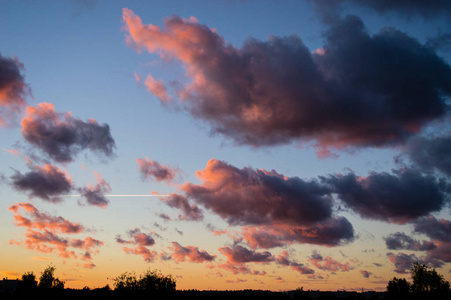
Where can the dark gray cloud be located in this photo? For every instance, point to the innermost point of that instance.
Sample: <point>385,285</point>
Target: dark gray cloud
<point>398,197</point>
<point>332,232</point>
<point>285,260</point>
<point>94,194</point>
<point>250,196</point>
<point>240,254</point>
<point>411,8</point>
<point>403,262</point>
<point>48,182</point>
<point>62,137</point>
<point>358,90</point>
<point>190,212</point>
<point>401,241</point>
<point>431,153</point>
<point>13,90</point>
<point>436,229</point>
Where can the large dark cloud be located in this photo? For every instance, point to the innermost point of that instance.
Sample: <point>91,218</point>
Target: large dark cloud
<point>359,89</point>
<point>254,196</point>
<point>47,182</point>
<point>431,153</point>
<point>399,197</point>
<point>13,90</point>
<point>411,8</point>
<point>61,136</point>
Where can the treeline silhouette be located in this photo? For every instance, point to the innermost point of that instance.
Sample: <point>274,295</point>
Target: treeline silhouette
<point>426,284</point>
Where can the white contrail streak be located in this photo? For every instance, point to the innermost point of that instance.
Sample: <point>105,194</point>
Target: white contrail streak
<point>148,195</point>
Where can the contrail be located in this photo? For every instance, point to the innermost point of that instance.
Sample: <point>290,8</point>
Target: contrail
<point>148,195</point>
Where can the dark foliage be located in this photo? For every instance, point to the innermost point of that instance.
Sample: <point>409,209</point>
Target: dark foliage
<point>426,283</point>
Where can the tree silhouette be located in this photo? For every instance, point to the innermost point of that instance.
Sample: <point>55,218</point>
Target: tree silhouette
<point>149,281</point>
<point>48,279</point>
<point>397,288</point>
<point>426,282</point>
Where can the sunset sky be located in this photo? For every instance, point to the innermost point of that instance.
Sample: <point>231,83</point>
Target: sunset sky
<point>232,144</point>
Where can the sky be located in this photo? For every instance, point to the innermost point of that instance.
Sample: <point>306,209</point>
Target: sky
<point>231,144</point>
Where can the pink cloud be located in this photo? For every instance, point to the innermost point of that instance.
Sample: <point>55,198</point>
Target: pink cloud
<point>41,234</point>
<point>41,220</point>
<point>147,255</point>
<point>190,253</point>
<point>154,171</point>
<point>140,241</point>
<point>328,263</point>
<point>158,88</point>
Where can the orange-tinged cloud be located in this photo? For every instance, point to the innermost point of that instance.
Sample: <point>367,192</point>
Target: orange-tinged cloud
<point>158,88</point>
<point>42,233</point>
<point>190,253</point>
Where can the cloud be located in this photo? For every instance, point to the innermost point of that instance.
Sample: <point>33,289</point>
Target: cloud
<point>158,88</point>
<point>95,194</point>
<point>332,232</point>
<point>154,171</point>
<point>47,182</point>
<point>424,9</point>
<point>328,263</point>
<point>401,241</point>
<point>61,136</point>
<point>190,212</point>
<point>273,209</point>
<point>365,273</point>
<point>397,197</point>
<point>284,259</point>
<point>41,220</point>
<point>403,262</point>
<point>439,231</point>
<point>190,253</point>
<point>240,255</point>
<point>430,153</point>
<point>436,229</point>
<point>13,90</point>
<point>361,90</point>
<point>259,196</point>
<point>140,242</point>
<point>43,233</point>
